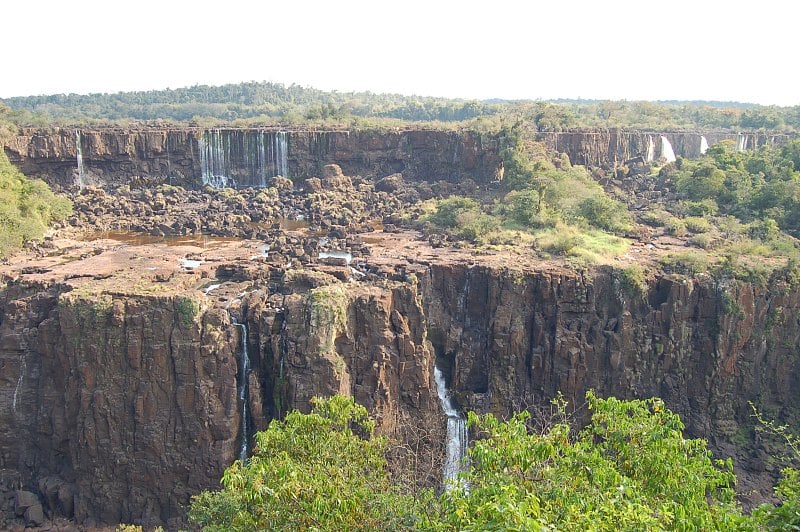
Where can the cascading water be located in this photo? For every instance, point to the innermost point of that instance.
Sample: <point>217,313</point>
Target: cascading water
<point>651,149</point>
<point>666,150</point>
<point>79,157</point>
<point>456,448</point>
<point>741,142</point>
<point>703,145</point>
<point>242,158</point>
<point>281,154</point>
<point>243,389</point>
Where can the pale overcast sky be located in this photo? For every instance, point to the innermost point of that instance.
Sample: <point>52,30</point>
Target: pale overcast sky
<point>654,50</point>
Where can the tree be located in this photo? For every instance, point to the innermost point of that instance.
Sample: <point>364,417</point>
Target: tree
<point>629,469</point>
<point>324,470</point>
<point>784,516</point>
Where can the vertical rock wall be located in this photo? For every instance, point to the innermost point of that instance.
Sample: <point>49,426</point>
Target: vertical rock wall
<point>126,401</point>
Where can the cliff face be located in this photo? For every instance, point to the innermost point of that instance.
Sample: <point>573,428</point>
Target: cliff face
<point>116,408</point>
<point>249,157</point>
<point>124,405</point>
<point>706,348</point>
<point>608,147</point>
<point>191,156</point>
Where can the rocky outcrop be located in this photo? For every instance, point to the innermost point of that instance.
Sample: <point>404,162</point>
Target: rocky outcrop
<point>607,148</point>
<point>118,405</point>
<point>249,157</point>
<point>707,347</point>
<point>116,408</point>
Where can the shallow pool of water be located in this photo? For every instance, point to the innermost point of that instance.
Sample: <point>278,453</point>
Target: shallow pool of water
<point>140,239</point>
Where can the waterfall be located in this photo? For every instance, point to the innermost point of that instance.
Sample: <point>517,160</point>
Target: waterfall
<point>243,389</point>
<point>23,367</point>
<point>281,154</point>
<point>651,149</point>
<point>703,145</point>
<point>741,142</point>
<point>666,150</point>
<point>242,158</point>
<point>456,448</point>
<point>79,157</point>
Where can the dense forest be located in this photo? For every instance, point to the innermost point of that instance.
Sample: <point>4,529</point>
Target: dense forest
<point>256,103</point>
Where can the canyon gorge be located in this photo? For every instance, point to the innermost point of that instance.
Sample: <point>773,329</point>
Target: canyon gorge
<point>134,369</point>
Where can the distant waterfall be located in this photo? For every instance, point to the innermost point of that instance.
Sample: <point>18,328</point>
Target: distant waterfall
<point>456,432</point>
<point>79,157</point>
<point>242,158</point>
<point>243,388</point>
<point>281,154</point>
<point>741,142</point>
<point>651,149</point>
<point>703,145</point>
<point>666,150</point>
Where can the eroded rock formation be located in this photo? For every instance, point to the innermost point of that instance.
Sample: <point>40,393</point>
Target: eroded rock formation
<point>118,406</point>
<point>187,157</point>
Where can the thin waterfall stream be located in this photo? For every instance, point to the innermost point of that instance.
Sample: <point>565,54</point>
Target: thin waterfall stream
<point>456,448</point>
<point>79,158</point>
<point>243,389</point>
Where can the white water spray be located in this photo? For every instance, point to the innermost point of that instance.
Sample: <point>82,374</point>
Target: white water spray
<point>456,448</point>
<point>666,150</point>
<point>741,142</point>
<point>703,145</point>
<point>242,158</point>
<point>79,157</point>
<point>651,149</point>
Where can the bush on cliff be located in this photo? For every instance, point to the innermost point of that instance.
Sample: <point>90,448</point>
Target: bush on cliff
<point>27,208</point>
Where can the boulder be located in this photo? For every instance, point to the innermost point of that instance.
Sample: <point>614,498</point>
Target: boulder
<point>390,183</point>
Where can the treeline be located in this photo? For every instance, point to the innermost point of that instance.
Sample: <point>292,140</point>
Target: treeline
<point>267,102</point>
<point>264,102</point>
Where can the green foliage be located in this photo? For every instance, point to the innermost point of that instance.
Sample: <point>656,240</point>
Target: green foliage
<point>27,208</point>
<point>688,262</point>
<point>630,469</point>
<point>761,186</point>
<point>463,218</point>
<point>322,471</point>
<point>606,213</point>
<point>784,516</point>
<point>187,308</point>
<point>259,102</point>
<point>696,224</point>
<point>632,280</point>
<point>448,211</point>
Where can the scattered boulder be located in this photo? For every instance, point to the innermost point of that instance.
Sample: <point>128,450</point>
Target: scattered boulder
<point>390,183</point>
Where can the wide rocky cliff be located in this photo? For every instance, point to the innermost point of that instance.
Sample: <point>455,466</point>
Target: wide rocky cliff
<point>67,158</point>
<point>191,157</point>
<point>119,405</point>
